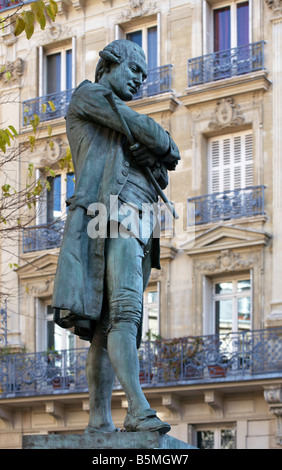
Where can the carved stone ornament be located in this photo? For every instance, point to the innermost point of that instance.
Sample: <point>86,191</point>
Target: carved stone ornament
<point>12,71</point>
<point>138,8</point>
<point>227,113</point>
<point>275,5</point>
<point>226,261</point>
<point>273,396</point>
<point>52,154</point>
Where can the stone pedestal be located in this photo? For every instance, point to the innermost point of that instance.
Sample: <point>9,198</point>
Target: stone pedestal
<point>113,440</point>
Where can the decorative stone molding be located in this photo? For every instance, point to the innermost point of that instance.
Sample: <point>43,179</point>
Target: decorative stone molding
<point>12,71</point>
<point>275,5</point>
<point>227,261</point>
<point>227,113</point>
<point>138,8</point>
<point>215,401</point>
<point>273,396</point>
<point>52,155</point>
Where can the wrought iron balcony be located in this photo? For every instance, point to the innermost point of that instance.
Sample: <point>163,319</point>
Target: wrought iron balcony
<point>5,4</point>
<point>42,106</point>
<point>43,237</point>
<point>226,64</point>
<point>246,202</point>
<point>246,355</point>
<point>158,81</point>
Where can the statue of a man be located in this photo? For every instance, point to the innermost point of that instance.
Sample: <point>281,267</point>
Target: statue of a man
<point>100,280</point>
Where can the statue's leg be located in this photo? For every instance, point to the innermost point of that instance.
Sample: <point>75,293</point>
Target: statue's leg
<point>100,378</point>
<point>125,298</point>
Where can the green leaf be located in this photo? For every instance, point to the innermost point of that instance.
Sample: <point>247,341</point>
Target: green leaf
<point>30,170</point>
<point>8,76</point>
<point>34,122</point>
<point>50,12</point>
<point>38,8</point>
<point>32,142</point>
<point>52,106</point>
<point>49,130</point>
<point>20,26</point>
<point>43,107</point>
<point>28,18</point>
<point>13,130</point>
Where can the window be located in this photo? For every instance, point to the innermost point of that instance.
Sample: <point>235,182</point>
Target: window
<point>58,71</point>
<point>226,26</point>
<point>50,336</point>
<point>151,314</point>
<point>57,338</point>
<point>216,438</point>
<point>147,38</point>
<point>61,188</point>
<point>232,304</point>
<point>230,162</point>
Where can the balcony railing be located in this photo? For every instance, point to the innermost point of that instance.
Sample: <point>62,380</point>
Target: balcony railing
<point>158,81</point>
<point>239,203</point>
<point>42,106</point>
<point>226,64</point>
<point>246,355</point>
<point>5,4</point>
<point>43,237</point>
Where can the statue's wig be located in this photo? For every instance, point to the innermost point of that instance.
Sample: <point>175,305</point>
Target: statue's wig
<point>116,52</point>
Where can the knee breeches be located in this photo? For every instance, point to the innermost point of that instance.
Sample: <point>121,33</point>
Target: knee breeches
<point>128,266</point>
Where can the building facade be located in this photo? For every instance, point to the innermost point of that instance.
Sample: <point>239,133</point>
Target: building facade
<point>211,359</point>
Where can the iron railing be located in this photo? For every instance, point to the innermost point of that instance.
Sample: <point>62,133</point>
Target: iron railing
<point>47,107</point>
<point>42,237</point>
<point>226,64</point>
<point>244,355</point>
<point>158,81</point>
<point>238,203</point>
<point>5,4</point>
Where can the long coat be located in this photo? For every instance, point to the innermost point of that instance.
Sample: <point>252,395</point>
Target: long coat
<point>101,163</point>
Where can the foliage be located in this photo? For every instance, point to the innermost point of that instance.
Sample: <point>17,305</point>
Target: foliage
<point>18,199</point>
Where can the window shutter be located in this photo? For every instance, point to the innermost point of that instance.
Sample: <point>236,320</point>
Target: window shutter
<point>231,162</point>
<point>227,174</point>
<point>249,179</point>
<point>215,167</point>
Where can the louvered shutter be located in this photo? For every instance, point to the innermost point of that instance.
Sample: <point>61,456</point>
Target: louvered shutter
<point>230,162</point>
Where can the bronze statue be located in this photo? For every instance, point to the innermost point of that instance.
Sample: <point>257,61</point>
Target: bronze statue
<point>100,280</point>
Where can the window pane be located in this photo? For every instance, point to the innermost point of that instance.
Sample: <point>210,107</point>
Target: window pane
<point>54,199</point>
<point>205,439</point>
<point>227,439</point>
<point>224,287</point>
<point>70,184</point>
<point>136,37</point>
<point>53,73</point>
<point>152,297</point>
<point>223,315</point>
<point>50,334</point>
<point>242,24</point>
<point>69,69</point>
<point>152,48</point>
<point>244,285</point>
<point>222,29</point>
<point>244,313</point>
<point>153,326</point>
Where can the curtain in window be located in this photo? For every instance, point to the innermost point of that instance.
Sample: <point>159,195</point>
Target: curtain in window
<point>221,29</point>
<point>242,24</point>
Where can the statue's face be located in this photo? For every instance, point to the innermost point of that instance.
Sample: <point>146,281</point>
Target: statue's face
<point>126,78</point>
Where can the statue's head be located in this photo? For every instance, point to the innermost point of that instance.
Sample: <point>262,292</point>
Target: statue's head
<point>122,67</point>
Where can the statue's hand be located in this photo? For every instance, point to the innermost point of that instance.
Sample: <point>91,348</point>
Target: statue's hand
<point>142,155</point>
